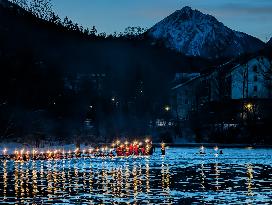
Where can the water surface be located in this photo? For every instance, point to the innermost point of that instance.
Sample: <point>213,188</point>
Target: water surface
<point>239,176</point>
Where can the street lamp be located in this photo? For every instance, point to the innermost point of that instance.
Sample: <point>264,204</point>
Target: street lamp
<point>249,106</point>
<point>167,108</point>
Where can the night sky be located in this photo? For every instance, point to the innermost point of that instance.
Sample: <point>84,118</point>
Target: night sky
<point>249,16</point>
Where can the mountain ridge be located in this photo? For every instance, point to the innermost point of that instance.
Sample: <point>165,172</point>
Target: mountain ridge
<point>196,34</point>
<point>269,42</point>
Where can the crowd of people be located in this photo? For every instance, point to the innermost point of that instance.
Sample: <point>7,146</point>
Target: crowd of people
<point>135,148</point>
<point>117,149</point>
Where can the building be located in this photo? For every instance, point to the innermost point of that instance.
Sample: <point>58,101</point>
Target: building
<point>189,96</point>
<point>251,79</point>
<point>224,96</point>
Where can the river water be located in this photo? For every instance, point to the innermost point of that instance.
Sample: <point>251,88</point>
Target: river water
<point>239,176</point>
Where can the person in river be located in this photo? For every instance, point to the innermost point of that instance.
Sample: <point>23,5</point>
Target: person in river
<point>151,148</point>
<point>154,148</point>
<point>202,151</point>
<point>163,148</point>
<point>221,151</point>
<point>142,149</point>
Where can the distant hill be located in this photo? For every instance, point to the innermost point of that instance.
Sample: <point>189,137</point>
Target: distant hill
<point>36,56</point>
<point>193,33</point>
<point>21,32</point>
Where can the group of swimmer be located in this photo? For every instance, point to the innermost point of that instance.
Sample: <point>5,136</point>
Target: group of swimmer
<point>117,149</point>
<point>134,148</point>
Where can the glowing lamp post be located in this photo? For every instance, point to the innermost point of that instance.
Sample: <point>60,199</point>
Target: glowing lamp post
<point>249,106</point>
<point>167,108</point>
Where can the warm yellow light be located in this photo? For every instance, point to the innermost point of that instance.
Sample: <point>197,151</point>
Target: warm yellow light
<point>126,142</point>
<point>147,140</point>
<point>167,108</point>
<point>117,142</point>
<point>249,106</point>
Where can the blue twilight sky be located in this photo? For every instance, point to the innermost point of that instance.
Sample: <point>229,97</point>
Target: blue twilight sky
<point>251,16</point>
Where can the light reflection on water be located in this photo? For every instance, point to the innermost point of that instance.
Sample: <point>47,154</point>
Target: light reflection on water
<point>181,177</point>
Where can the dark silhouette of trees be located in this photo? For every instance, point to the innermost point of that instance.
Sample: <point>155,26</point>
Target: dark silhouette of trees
<point>43,9</point>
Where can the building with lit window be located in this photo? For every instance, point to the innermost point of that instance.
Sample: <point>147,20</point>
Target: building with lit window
<point>221,95</point>
<point>250,78</point>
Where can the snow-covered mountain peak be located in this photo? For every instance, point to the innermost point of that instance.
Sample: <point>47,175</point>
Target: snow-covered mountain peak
<point>196,34</point>
<point>187,14</point>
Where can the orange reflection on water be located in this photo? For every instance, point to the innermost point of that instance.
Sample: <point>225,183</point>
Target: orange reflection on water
<point>56,179</point>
